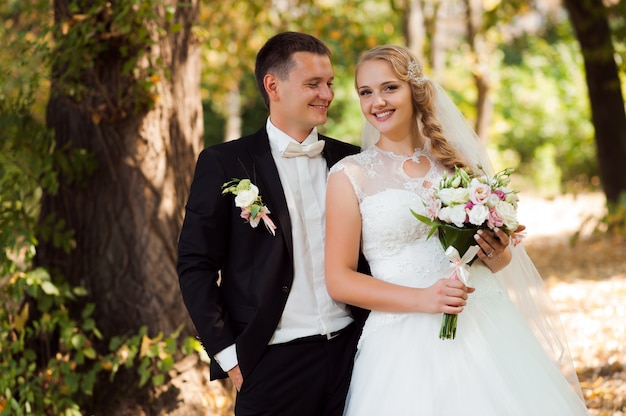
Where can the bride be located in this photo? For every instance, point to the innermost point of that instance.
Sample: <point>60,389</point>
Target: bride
<point>509,356</point>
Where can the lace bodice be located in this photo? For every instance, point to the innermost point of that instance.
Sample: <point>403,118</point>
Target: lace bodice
<point>374,170</point>
<point>394,241</point>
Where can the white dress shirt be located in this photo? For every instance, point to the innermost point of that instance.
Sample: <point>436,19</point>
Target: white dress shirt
<point>309,310</point>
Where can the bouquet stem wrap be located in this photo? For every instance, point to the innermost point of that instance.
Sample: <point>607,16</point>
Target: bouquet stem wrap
<point>455,241</point>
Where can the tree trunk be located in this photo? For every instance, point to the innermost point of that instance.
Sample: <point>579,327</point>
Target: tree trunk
<point>480,69</point>
<point>436,45</point>
<point>126,216</point>
<point>414,30</point>
<point>233,115</point>
<point>590,21</point>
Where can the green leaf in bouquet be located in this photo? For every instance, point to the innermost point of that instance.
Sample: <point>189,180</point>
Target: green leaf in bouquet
<point>434,225</point>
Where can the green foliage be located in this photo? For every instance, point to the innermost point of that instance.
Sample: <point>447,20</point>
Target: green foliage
<point>345,120</point>
<point>214,124</point>
<point>29,386</point>
<point>110,72</point>
<point>538,84</point>
<point>233,32</point>
<point>22,49</point>
<point>25,146</point>
<point>52,355</point>
<point>36,321</point>
<point>253,113</point>
<point>33,310</point>
<point>542,111</point>
<point>49,363</point>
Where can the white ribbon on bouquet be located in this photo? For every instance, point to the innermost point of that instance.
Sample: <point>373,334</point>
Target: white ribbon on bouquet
<point>459,269</point>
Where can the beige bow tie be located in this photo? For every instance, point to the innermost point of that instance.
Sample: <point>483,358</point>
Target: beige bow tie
<point>310,150</point>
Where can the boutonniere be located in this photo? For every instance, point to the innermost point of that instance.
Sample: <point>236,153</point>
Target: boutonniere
<point>248,199</point>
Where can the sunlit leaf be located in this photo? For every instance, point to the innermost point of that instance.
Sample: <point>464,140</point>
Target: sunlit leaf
<point>49,288</point>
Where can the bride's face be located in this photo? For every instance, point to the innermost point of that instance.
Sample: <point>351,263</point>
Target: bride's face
<point>385,100</point>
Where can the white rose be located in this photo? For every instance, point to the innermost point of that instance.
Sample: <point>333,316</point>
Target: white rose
<point>479,192</point>
<point>508,214</point>
<point>458,215</point>
<point>510,197</point>
<point>450,196</point>
<point>493,200</point>
<point>444,214</point>
<point>478,214</point>
<point>245,198</point>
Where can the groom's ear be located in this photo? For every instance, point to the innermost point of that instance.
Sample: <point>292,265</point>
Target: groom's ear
<point>270,83</point>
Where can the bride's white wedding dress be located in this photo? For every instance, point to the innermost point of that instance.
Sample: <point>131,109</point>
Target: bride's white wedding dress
<point>495,366</point>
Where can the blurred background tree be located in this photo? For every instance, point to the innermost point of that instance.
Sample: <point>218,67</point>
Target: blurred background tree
<point>504,62</point>
<point>592,24</point>
<point>104,107</point>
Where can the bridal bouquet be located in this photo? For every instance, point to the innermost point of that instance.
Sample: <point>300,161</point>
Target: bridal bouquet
<point>462,204</point>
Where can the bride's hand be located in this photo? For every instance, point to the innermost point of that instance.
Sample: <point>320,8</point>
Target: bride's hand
<point>447,296</point>
<point>494,250</point>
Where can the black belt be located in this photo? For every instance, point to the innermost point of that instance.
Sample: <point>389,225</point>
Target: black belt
<point>317,338</point>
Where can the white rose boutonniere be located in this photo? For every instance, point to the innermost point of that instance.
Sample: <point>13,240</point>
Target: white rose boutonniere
<point>248,199</point>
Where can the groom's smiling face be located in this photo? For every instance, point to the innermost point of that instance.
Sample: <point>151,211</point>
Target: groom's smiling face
<point>300,102</point>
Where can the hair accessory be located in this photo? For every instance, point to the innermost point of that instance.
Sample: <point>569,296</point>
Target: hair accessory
<point>415,72</point>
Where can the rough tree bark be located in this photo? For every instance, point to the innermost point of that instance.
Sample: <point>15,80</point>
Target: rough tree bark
<point>126,216</point>
<point>590,21</point>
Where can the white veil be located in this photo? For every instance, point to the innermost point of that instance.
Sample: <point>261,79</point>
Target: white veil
<point>369,135</point>
<point>520,278</point>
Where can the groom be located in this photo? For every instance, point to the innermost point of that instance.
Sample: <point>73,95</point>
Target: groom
<point>255,289</point>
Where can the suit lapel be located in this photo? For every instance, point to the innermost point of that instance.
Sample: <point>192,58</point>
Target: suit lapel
<point>270,186</point>
<point>330,152</point>
<point>269,182</point>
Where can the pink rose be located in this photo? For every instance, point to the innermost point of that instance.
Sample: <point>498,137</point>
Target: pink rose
<point>494,219</point>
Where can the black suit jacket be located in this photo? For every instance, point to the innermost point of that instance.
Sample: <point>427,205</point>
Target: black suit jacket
<point>256,268</point>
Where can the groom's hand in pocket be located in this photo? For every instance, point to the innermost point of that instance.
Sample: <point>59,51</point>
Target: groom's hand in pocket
<point>235,376</point>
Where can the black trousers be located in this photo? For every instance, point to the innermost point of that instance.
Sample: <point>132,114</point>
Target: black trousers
<point>301,378</point>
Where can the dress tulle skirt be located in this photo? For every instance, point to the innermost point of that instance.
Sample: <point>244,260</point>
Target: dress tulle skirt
<point>495,366</point>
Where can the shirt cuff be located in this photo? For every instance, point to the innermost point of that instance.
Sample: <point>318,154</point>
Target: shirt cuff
<point>227,358</point>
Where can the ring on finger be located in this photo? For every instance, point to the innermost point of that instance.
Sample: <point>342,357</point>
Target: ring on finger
<point>490,255</point>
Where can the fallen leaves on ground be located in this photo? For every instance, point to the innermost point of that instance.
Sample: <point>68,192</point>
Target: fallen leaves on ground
<point>587,280</point>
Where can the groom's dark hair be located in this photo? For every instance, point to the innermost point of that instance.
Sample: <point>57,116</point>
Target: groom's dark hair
<point>275,56</point>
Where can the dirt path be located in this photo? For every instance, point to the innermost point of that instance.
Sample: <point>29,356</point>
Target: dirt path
<point>587,280</point>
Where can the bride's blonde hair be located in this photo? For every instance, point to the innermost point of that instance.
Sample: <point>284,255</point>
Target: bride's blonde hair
<point>408,69</point>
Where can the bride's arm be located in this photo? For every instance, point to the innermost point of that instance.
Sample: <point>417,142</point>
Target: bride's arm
<point>345,284</point>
